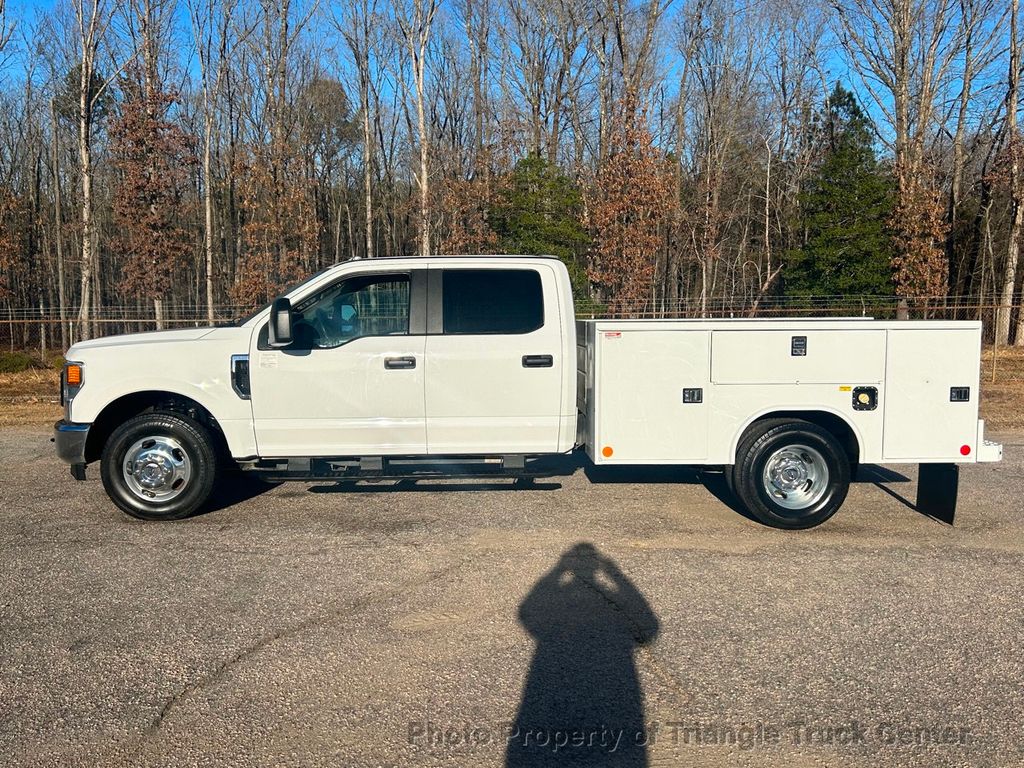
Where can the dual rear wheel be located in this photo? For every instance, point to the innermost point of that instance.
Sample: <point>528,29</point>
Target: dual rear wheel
<point>790,473</point>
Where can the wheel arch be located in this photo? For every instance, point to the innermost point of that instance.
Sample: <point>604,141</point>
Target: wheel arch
<point>127,406</point>
<point>831,421</point>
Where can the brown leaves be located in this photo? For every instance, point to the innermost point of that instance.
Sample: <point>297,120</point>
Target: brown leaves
<point>154,157</point>
<point>280,229</point>
<point>15,253</point>
<point>465,204</point>
<point>920,268</point>
<point>629,205</point>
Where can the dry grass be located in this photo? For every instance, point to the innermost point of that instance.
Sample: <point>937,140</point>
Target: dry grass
<point>31,397</point>
<point>1002,401</point>
<point>37,382</point>
<point>30,412</point>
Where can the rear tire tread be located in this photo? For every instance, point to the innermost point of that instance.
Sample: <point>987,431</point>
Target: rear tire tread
<point>760,440</point>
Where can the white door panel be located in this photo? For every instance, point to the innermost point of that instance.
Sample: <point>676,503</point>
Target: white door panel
<point>351,382</point>
<point>482,396</point>
<point>643,414</point>
<point>340,402</point>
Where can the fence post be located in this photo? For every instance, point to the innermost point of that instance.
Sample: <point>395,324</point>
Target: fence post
<point>995,354</point>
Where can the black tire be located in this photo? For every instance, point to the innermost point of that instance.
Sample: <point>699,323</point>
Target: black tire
<point>194,440</point>
<point>729,473</point>
<point>824,493</point>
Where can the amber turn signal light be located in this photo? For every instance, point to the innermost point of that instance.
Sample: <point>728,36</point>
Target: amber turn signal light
<point>74,375</point>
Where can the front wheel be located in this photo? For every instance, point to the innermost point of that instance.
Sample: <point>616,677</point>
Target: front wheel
<point>791,473</point>
<point>159,466</point>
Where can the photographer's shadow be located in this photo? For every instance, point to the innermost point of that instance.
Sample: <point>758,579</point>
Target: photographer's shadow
<point>582,701</point>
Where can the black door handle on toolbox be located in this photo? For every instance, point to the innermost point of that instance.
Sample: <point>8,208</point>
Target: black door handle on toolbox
<point>399,363</point>
<point>538,361</point>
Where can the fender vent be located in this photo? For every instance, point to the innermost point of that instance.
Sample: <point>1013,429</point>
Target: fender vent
<point>240,376</point>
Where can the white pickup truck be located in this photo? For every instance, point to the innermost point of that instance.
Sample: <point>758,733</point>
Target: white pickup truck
<point>392,367</point>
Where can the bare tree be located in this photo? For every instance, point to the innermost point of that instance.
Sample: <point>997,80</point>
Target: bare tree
<point>1013,141</point>
<point>213,36</point>
<point>93,18</point>
<point>903,50</point>
<point>6,29</point>
<point>359,25</point>
<point>416,21</point>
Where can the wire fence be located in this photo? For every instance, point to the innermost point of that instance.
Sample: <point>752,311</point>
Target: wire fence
<point>43,332</point>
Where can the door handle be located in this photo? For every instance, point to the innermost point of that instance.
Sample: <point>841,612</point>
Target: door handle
<point>399,363</point>
<point>538,361</point>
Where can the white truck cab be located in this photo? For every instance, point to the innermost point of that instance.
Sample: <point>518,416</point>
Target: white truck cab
<point>385,367</point>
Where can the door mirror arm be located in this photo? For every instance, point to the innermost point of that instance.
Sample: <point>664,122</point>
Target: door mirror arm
<point>280,330</point>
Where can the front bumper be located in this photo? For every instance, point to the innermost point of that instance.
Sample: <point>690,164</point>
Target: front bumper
<point>70,440</point>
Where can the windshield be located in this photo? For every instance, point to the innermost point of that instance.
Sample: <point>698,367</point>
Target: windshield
<point>243,320</point>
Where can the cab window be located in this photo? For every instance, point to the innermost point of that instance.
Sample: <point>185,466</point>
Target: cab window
<point>492,301</point>
<point>365,305</point>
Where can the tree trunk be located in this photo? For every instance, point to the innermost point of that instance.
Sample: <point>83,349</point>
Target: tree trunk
<point>367,158</point>
<point>1016,190</point>
<point>208,212</point>
<point>58,235</point>
<point>85,161</point>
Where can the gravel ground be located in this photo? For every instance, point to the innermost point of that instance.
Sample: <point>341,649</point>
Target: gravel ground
<point>469,623</point>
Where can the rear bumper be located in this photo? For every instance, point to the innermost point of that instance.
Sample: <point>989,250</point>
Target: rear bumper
<point>987,450</point>
<point>70,441</point>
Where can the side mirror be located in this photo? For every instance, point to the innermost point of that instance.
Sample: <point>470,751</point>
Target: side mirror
<point>280,331</point>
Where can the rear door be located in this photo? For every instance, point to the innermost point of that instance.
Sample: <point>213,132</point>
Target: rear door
<point>494,363</point>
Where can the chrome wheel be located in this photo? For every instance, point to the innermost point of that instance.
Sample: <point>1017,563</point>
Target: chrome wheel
<point>157,468</point>
<point>795,477</point>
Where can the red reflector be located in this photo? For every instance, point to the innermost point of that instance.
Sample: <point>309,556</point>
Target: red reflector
<point>965,450</point>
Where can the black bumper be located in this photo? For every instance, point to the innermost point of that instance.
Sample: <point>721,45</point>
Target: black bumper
<point>70,440</point>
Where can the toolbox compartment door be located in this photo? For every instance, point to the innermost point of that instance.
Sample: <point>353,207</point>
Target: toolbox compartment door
<point>827,356</point>
<point>643,414</point>
<point>922,421</point>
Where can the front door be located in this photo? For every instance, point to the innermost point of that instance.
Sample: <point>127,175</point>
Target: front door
<point>494,363</point>
<point>351,383</point>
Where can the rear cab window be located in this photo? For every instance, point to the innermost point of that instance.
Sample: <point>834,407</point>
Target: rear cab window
<point>492,301</point>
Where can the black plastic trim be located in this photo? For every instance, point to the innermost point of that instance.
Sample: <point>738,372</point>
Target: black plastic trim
<point>70,439</point>
<point>871,395</point>
<point>240,381</point>
<point>538,361</point>
<point>435,302</point>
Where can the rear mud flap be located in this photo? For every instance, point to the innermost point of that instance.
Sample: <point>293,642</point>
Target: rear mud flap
<point>937,486</point>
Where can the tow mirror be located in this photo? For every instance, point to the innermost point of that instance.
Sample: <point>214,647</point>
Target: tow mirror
<point>280,331</point>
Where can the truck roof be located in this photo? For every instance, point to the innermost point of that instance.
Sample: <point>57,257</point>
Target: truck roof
<point>482,256</point>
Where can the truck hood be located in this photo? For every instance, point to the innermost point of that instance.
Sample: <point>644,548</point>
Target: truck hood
<point>147,337</point>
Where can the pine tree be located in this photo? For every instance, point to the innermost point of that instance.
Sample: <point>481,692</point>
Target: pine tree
<point>537,210</point>
<point>845,211</point>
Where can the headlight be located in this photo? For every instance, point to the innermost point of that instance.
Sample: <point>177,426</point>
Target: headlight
<point>72,378</point>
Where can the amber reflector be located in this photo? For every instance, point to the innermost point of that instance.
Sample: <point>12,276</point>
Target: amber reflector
<point>74,375</point>
<point>607,451</point>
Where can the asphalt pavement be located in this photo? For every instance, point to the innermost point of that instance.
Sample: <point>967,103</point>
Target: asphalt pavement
<point>625,617</point>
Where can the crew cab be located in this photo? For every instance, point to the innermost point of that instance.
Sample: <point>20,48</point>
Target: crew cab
<point>387,367</point>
